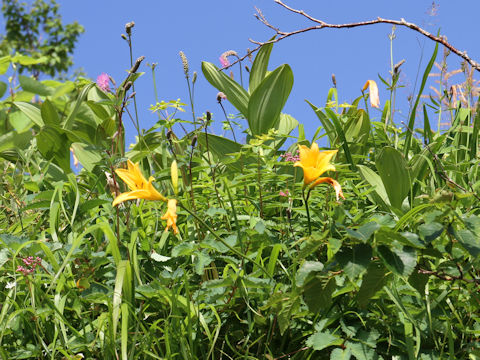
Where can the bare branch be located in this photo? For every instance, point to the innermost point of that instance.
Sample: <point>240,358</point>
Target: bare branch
<point>322,25</point>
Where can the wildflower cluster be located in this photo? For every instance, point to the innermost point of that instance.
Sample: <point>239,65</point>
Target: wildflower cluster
<point>30,265</point>
<point>103,82</point>
<point>289,157</point>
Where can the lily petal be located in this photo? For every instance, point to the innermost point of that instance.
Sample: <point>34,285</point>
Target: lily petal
<point>373,89</point>
<point>334,183</point>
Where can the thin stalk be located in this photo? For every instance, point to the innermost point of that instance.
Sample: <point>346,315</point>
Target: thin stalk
<point>130,47</point>
<point>228,120</point>
<point>305,201</point>
<point>210,229</point>
<point>259,182</point>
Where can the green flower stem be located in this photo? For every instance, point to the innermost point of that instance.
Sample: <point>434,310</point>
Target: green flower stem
<point>305,201</point>
<point>235,251</point>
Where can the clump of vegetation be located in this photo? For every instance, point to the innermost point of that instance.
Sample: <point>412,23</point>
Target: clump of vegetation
<point>204,247</point>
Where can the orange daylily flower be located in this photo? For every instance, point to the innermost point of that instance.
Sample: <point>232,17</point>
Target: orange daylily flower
<point>314,163</point>
<point>373,89</point>
<point>139,186</point>
<point>171,216</point>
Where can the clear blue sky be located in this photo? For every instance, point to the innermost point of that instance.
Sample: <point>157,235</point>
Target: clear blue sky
<point>205,29</point>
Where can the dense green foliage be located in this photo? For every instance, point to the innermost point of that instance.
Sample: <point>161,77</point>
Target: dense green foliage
<point>389,272</point>
<point>37,30</point>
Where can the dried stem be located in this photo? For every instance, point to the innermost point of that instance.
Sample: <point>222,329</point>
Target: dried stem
<point>323,25</point>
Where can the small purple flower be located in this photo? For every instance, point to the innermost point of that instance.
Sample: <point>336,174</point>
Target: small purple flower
<point>103,82</point>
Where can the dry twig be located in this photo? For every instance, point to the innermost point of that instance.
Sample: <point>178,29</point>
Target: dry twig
<point>322,25</point>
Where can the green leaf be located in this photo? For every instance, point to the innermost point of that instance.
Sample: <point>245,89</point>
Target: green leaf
<point>68,122</point>
<point>307,268</point>
<point>354,261</point>
<point>327,124</point>
<point>49,113</point>
<point>317,293</point>
<point>395,176</point>
<point>340,354</point>
<point>87,155</point>
<point>14,140</point>
<point>235,93</point>
<point>34,86</point>
<point>268,99</point>
<point>53,144</point>
<point>387,236</point>
<point>341,135</point>
<point>321,340</point>
<point>378,195</point>
<point>469,241</point>
<point>31,111</point>
<point>202,259</point>
<point>373,281</point>
<point>364,232</point>
<point>259,66</point>
<point>430,231</point>
<point>20,121</point>
<point>3,88</point>
<point>221,147</point>
<point>413,113</point>
<point>361,351</point>
<point>401,261</point>
<point>4,64</point>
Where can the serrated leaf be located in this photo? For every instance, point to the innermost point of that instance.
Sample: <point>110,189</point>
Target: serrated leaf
<point>430,231</point>
<point>318,293</point>
<point>321,340</point>
<point>373,281</point>
<point>469,241</point>
<point>201,260</point>
<point>183,249</point>
<point>159,258</point>
<point>354,261</point>
<point>400,261</point>
<point>340,354</point>
<point>306,269</point>
<point>387,236</point>
<point>365,231</point>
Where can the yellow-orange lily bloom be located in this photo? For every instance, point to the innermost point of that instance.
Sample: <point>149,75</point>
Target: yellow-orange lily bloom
<point>314,163</point>
<point>171,216</point>
<point>373,89</point>
<point>139,186</point>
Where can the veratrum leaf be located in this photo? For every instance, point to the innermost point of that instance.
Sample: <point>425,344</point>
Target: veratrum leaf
<point>235,93</point>
<point>268,99</point>
<point>392,168</point>
<point>259,67</point>
<point>379,195</point>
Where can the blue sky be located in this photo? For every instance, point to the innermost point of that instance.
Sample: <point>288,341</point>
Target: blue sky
<point>205,29</point>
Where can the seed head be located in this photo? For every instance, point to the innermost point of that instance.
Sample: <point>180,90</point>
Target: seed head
<point>184,63</point>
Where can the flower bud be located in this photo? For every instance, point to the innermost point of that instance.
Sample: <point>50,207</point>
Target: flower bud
<point>174,176</point>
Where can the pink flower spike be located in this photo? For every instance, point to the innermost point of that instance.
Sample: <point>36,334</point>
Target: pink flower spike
<point>285,194</point>
<point>103,82</point>
<point>224,61</point>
